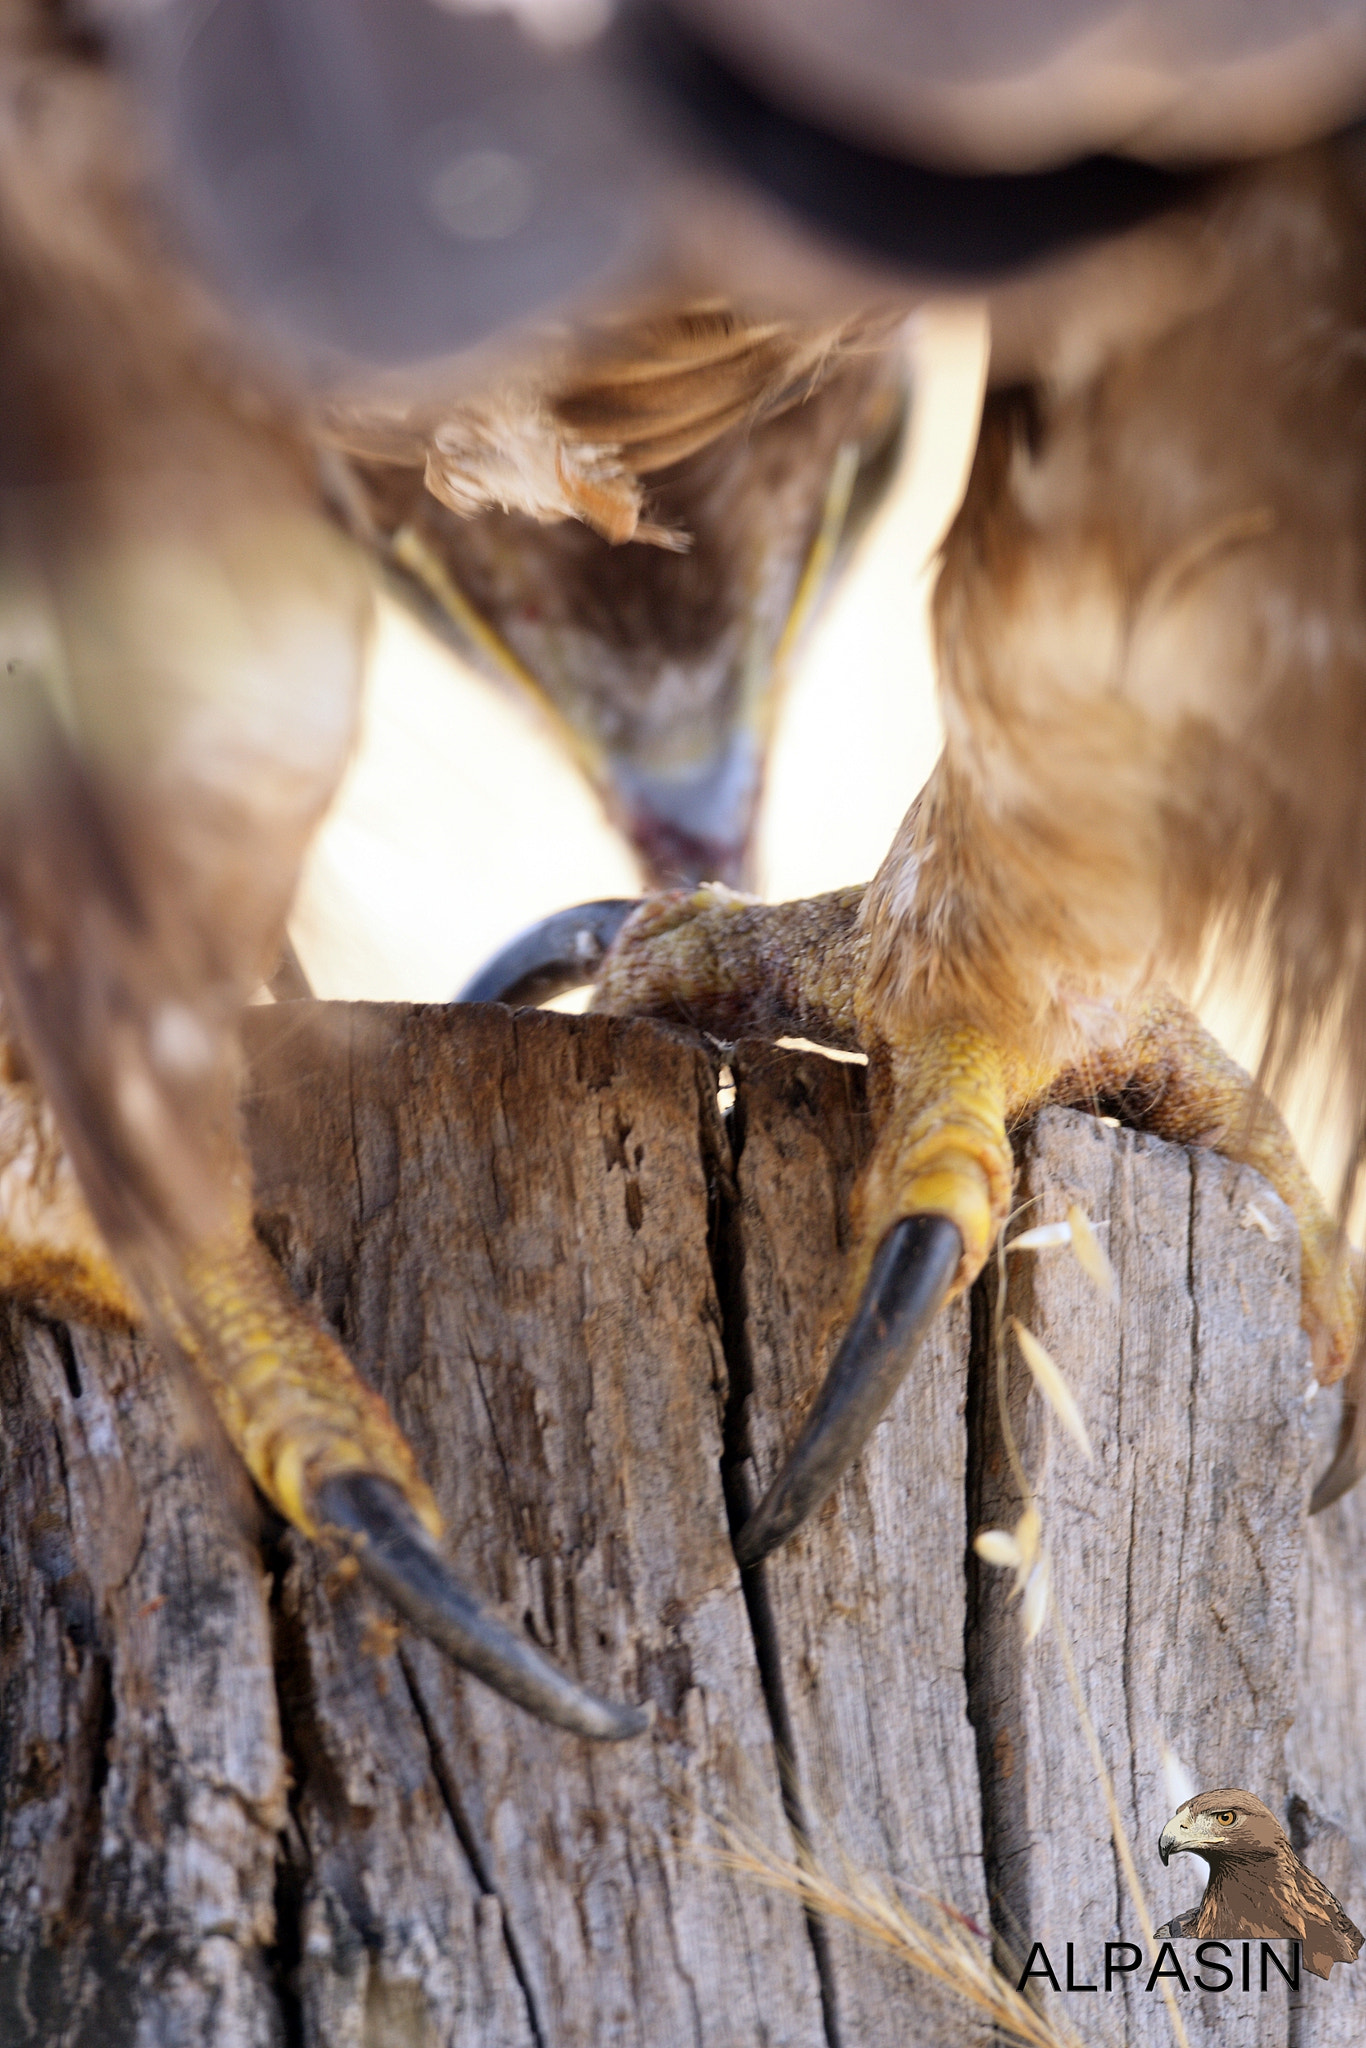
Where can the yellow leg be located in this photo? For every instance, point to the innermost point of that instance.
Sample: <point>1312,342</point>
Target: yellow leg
<point>325,1449</point>
<point>52,1257</point>
<point>287,1395</point>
<point>320,1444</point>
<point>944,1094</point>
<point>945,1098</point>
<point>942,1149</point>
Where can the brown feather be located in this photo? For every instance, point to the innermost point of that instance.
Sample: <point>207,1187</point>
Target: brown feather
<point>591,415</point>
<point>182,637</point>
<point>1152,632</point>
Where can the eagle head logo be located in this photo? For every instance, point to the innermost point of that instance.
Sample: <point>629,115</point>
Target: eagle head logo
<point>1258,1888</point>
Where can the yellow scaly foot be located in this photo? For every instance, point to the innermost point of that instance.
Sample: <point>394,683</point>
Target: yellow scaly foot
<point>321,1444</point>
<point>936,1190</point>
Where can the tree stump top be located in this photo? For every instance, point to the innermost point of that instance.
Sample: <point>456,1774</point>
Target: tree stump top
<point>239,1807</point>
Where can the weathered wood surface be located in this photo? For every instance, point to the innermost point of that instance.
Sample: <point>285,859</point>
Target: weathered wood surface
<point>236,1809</point>
<point>1177,1553</point>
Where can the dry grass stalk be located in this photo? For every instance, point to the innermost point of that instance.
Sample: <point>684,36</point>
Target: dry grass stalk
<point>1090,1253</point>
<point>1054,1388</point>
<point>941,1943</point>
<point>1050,1609</point>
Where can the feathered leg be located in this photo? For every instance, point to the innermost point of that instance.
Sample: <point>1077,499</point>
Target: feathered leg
<point>181,643</point>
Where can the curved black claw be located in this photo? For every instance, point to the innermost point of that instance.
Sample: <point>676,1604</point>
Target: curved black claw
<point>913,1269</point>
<point>289,983</point>
<point>559,953</point>
<point>1349,1459</point>
<point>397,1555</point>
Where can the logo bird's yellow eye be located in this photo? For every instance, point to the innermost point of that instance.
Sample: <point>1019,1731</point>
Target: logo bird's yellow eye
<point>1226,1820</point>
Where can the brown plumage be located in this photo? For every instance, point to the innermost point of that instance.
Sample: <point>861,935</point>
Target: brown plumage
<point>594,416</point>
<point>1258,1888</point>
<point>633,522</point>
<point>166,578</point>
<point>1151,632</point>
<point>1151,624</point>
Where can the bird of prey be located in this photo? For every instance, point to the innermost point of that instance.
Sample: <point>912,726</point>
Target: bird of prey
<point>1151,639</point>
<point>1258,1887</point>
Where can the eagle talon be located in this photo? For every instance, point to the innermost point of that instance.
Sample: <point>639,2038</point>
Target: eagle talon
<point>398,1556</point>
<point>562,952</point>
<point>912,1274</point>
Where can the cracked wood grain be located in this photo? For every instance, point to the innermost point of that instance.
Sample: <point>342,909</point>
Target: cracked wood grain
<point>238,1810</point>
<point>1176,1555</point>
<point>525,1211</point>
<point>869,1600</point>
<point>142,1781</point>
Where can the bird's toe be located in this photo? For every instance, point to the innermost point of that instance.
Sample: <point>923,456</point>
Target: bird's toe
<point>396,1552</point>
<point>326,1451</point>
<point>927,1210</point>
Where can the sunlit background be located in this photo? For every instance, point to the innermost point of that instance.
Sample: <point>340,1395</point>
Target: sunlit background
<point>461,820</point>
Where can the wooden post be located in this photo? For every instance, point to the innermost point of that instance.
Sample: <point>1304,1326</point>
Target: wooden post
<point>237,1807</point>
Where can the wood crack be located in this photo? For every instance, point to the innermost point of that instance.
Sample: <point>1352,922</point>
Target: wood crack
<point>726,1248</point>
<point>480,1863</point>
<point>283,1957</point>
<point>982,1647</point>
<point>867,1697</point>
